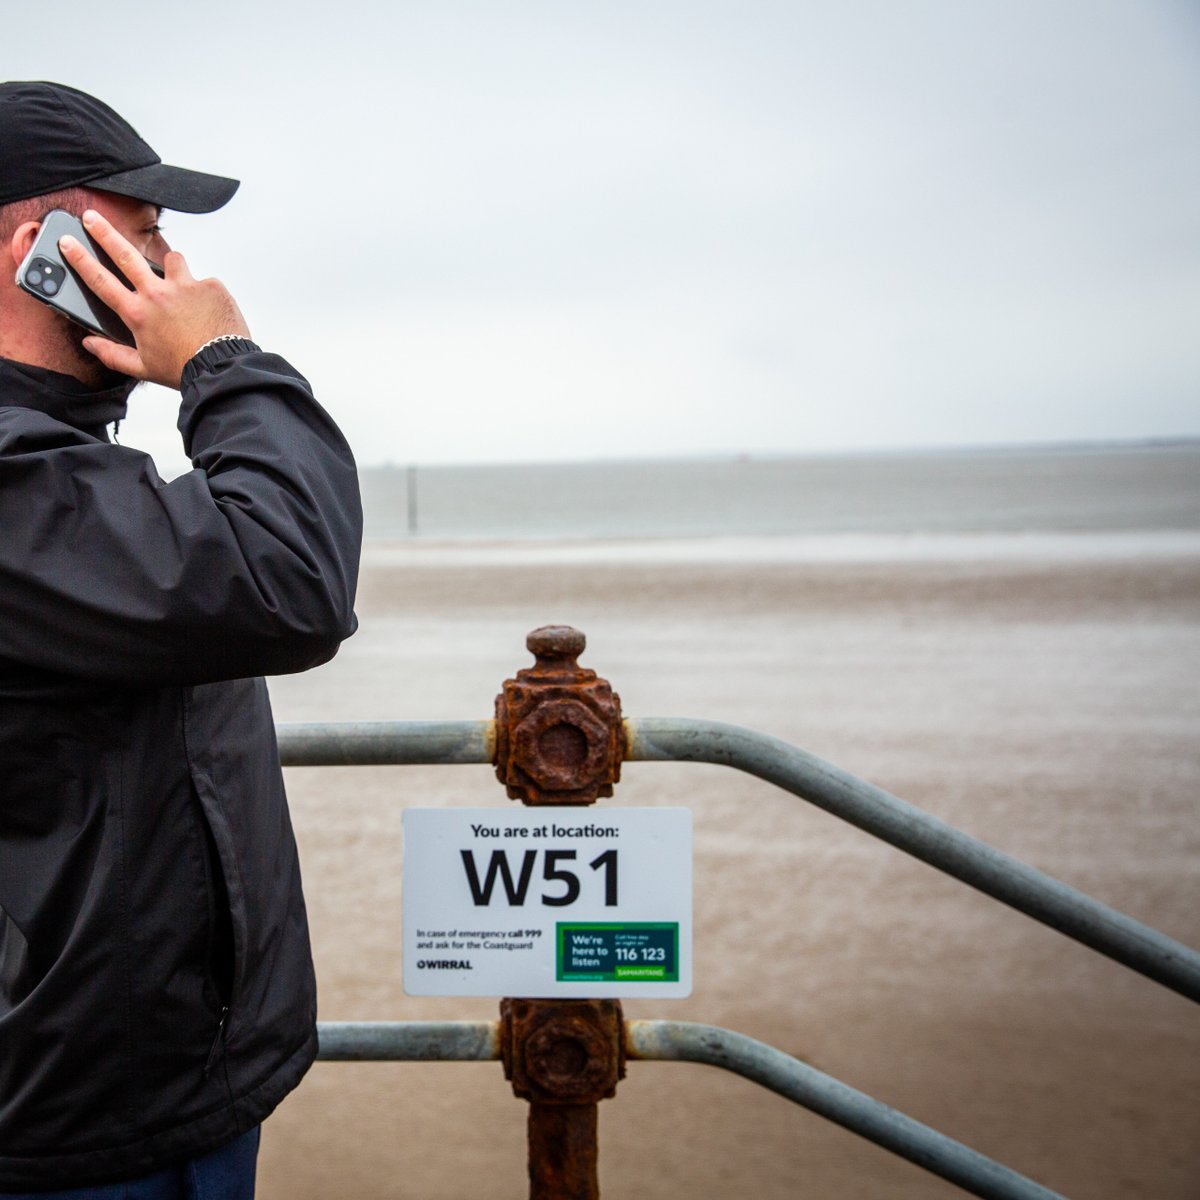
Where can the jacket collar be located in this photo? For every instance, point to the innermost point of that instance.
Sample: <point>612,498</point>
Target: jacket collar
<point>63,397</point>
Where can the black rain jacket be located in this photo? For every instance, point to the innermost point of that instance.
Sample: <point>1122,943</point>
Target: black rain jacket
<point>156,984</point>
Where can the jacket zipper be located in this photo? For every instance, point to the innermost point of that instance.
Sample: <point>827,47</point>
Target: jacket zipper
<point>212,1054</point>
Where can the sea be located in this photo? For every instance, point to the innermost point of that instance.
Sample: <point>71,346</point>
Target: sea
<point>1125,487</point>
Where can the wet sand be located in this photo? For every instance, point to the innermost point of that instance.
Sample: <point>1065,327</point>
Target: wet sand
<point>1039,692</point>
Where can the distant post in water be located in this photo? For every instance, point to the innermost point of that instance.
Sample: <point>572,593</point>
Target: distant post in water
<point>411,498</point>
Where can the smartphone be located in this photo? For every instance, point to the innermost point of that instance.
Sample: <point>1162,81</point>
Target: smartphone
<point>47,276</point>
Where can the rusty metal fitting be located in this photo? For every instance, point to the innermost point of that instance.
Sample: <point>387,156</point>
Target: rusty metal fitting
<point>563,1051</point>
<point>559,738</point>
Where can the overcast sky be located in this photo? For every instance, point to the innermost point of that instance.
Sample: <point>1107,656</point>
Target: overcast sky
<point>518,230</point>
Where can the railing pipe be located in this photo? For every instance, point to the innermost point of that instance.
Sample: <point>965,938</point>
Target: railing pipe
<point>1006,879</point>
<point>408,1041</point>
<point>385,743</point>
<point>684,1041</point>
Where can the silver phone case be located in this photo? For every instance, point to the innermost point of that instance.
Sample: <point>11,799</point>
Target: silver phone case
<point>72,297</point>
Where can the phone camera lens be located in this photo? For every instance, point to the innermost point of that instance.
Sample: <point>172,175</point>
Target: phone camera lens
<point>49,287</point>
<point>34,277</point>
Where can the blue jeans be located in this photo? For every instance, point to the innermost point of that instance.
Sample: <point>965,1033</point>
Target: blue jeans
<point>223,1174</point>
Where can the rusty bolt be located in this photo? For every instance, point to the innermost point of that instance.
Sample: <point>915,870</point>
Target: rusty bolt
<point>558,727</point>
<point>563,1051</point>
<point>560,743</point>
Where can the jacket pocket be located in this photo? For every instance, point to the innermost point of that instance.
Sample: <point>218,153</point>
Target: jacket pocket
<point>15,974</point>
<point>227,900</point>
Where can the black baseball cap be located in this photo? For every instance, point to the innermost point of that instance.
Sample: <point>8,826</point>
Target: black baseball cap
<point>54,137</point>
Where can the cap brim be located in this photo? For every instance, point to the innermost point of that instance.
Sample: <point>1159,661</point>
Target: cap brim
<point>175,188</point>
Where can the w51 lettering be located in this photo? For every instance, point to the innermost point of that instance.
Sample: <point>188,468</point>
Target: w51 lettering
<point>517,888</point>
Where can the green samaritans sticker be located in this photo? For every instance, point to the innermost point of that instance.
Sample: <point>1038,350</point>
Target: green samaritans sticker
<point>626,953</point>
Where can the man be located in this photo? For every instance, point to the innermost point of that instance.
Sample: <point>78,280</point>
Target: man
<point>157,998</point>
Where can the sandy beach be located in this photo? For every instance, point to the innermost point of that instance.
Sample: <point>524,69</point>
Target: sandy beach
<point>1037,691</point>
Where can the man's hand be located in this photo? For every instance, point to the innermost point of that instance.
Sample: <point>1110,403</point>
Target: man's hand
<point>170,318</point>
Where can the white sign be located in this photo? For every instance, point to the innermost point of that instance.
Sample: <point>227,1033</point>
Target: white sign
<point>548,902</point>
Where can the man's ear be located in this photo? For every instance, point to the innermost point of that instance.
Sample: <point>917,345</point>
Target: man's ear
<point>22,241</point>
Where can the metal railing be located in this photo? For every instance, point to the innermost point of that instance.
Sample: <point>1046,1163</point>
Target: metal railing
<point>686,1041</point>
<point>670,739</point>
<point>1078,916</point>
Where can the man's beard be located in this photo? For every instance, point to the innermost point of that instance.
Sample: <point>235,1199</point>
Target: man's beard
<point>84,365</point>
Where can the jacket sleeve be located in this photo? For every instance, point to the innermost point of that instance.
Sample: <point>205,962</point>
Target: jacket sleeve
<point>245,566</point>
